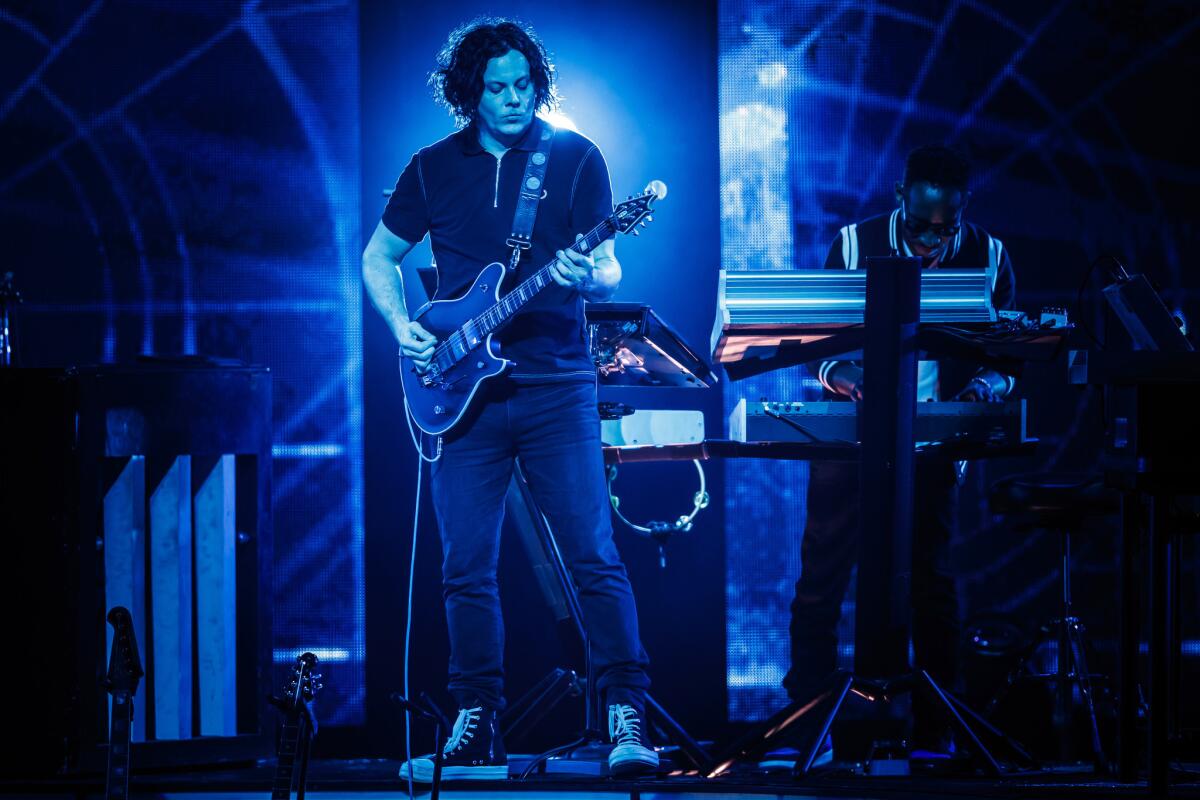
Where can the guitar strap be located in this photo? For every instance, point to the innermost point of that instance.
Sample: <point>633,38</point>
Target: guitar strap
<point>531,194</point>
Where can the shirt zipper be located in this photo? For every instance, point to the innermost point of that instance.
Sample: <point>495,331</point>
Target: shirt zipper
<point>496,193</point>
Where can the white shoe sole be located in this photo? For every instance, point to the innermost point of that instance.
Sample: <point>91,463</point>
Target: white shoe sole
<point>422,772</point>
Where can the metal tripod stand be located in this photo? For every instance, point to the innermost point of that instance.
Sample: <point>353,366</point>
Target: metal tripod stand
<point>1070,669</point>
<point>807,722</point>
<point>559,589</point>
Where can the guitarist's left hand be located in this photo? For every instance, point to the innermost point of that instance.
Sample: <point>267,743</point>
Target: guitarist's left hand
<point>573,270</point>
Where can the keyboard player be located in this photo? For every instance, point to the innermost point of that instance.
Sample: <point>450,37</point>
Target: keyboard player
<point>927,223</point>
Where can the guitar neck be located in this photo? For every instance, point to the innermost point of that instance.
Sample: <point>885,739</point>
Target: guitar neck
<point>116,784</point>
<point>289,743</point>
<point>502,312</point>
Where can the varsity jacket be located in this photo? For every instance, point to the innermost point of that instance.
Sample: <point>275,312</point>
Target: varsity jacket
<point>972,248</point>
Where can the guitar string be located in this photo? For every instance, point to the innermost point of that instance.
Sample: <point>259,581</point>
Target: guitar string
<point>527,285</point>
<point>458,338</point>
<point>602,231</point>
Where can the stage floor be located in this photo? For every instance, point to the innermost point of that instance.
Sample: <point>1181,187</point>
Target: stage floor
<point>376,779</point>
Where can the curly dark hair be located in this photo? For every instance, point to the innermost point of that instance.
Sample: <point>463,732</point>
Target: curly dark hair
<point>937,164</point>
<point>458,81</point>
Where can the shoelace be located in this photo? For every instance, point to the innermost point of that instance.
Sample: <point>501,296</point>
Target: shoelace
<point>624,724</point>
<point>464,728</point>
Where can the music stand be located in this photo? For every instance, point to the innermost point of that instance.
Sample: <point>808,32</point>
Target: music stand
<point>1145,317</point>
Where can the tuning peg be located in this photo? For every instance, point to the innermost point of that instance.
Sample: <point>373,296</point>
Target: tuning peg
<point>649,218</point>
<point>636,232</point>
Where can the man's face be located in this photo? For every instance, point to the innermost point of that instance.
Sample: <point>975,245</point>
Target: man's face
<point>506,105</point>
<point>930,216</point>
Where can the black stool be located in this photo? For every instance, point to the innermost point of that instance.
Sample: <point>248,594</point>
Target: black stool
<point>1059,502</point>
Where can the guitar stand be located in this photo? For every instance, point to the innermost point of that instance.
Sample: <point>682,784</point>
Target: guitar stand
<point>807,722</point>
<point>561,683</point>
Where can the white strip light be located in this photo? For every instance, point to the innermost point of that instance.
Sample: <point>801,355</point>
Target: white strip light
<point>308,450</point>
<point>325,654</point>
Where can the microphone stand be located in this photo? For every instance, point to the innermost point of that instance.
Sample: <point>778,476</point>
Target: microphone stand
<point>589,747</point>
<point>428,711</point>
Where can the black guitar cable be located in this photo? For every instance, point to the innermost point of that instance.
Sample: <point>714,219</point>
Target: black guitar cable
<point>801,429</point>
<point>412,571</point>
<point>417,440</point>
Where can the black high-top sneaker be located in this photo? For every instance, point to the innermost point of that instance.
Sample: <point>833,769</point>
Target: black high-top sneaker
<point>632,753</point>
<point>474,751</point>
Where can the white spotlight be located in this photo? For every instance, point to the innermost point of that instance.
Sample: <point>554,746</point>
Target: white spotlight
<point>558,120</point>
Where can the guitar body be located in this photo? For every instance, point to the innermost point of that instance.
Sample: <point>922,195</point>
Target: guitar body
<point>438,406</point>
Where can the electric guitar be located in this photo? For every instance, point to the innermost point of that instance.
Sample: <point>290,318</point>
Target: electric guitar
<point>466,353</point>
<point>298,728</point>
<point>121,681</point>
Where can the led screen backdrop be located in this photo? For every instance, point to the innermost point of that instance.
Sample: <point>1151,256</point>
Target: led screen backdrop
<point>182,178</point>
<point>1068,111</point>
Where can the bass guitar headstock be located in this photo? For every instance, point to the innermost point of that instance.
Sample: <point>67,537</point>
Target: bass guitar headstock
<point>124,663</point>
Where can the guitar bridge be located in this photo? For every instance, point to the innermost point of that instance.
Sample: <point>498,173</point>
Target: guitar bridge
<point>432,378</point>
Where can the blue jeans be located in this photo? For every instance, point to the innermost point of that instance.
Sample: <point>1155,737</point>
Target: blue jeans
<point>555,430</point>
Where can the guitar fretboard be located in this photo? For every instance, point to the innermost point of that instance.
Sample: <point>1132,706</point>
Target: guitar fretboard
<point>116,786</point>
<point>289,741</point>
<point>470,334</point>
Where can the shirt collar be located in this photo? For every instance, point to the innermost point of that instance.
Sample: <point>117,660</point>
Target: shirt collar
<point>468,138</point>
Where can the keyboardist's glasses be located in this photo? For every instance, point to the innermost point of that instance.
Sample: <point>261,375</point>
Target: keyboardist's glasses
<point>916,226</point>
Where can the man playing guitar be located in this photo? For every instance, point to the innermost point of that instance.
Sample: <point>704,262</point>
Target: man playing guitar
<point>463,191</point>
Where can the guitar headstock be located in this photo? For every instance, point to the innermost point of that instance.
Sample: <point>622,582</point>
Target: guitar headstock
<point>124,663</point>
<point>634,212</point>
<point>304,682</point>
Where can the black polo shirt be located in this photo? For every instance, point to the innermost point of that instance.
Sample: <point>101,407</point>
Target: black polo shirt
<point>464,198</point>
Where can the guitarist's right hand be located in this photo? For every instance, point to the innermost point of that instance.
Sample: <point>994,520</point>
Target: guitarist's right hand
<point>417,344</point>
